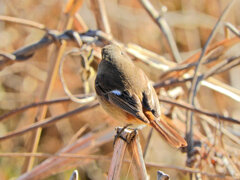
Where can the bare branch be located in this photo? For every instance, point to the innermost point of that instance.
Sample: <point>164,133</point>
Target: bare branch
<point>194,109</point>
<point>23,22</point>
<point>118,155</point>
<point>66,90</point>
<point>135,150</point>
<point>161,22</point>
<point>99,10</point>
<point>27,52</point>
<point>195,80</point>
<point>48,121</point>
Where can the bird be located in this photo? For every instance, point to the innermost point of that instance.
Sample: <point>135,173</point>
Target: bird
<point>125,92</point>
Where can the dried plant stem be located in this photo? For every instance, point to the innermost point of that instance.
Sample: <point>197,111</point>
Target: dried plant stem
<point>189,170</point>
<point>194,109</point>
<point>64,84</point>
<point>48,121</point>
<point>232,28</point>
<point>90,36</point>
<point>106,158</point>
<point>80,24</point>
<point>224,130</point>
<point>117,159</point>
<point>196,80</point>
<point>36,104</point>
<point>94,104</point>
<point>131,139</point>
<point>161,22</point>
<point>49,88</point>
<point>85,145</point>
<point>139,168</point>
<point>99,10</point>
<point>23,22</point>
<point>45,96</point>
<point>60,155</point>
<point>27,52</point>
<point>147,143</point>
<point>150,59</point>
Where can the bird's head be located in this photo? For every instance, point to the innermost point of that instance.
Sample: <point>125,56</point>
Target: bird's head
<point>111,53</point>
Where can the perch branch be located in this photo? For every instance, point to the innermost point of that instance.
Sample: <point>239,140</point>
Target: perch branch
<point>118,155</point>
<point>139,168</point>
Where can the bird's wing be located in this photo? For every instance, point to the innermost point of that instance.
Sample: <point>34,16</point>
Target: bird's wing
<point>130,103</point>
<point>150,100</point>
<point>151,109</point>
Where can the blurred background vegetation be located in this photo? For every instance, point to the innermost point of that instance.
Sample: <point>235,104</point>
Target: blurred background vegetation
<point>23,83</point>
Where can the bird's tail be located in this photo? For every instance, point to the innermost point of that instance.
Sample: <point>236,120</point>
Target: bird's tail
<point>168,133</point>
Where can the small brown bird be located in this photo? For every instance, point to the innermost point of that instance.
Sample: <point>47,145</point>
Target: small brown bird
<point>125,92</point>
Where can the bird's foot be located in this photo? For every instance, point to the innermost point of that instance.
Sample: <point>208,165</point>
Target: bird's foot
<point>127,137</point>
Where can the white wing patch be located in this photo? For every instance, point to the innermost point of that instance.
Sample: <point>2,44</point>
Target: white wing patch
<point>116,92</point>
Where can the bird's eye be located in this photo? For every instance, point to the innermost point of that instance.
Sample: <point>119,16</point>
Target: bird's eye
<point>121,53</point>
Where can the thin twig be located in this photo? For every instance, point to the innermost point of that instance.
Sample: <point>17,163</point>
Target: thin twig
<point>194,109</point>
<point>66,90</point>
<point>195,81</point>
<point>147,143</point>
<point>150,59</point>
<point>187,65</point>
<point>87,37</point>
<point>47,90</point>
<point>229,66</point>
<point>219,67</point>
<point>23,22</point>
<point>59,155</point>
<point>211,83</point>
<point>106,158</point>
<point>223,88</point>
<point>99,10</point>
<point>48,121</point>
<point>147,55</point>
<point>161,22</point>
<point>80,24</point>
<point>224,130</point>
<point>161,99</point>
<point>78,134</point>
<point>26,52</point>
<point>189,170</point>
<point>36,104</point>
<point>7,56</point>
<point>232,28</point>
<point>85,145</point>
